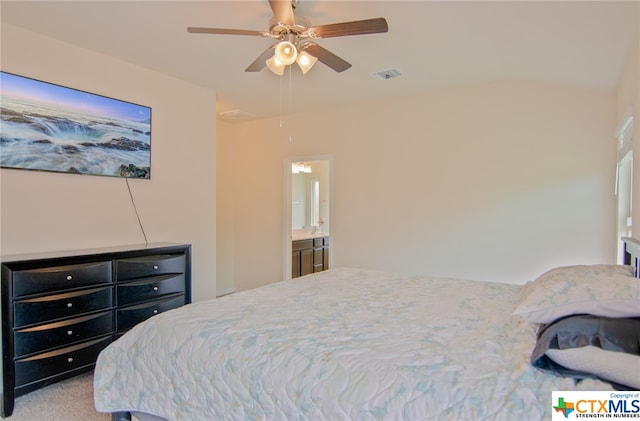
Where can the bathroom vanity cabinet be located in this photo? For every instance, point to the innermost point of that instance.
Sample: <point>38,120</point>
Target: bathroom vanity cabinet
<point>309,255</point>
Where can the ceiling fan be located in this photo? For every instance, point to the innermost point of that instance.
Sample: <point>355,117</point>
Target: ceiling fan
<point>296,39</point>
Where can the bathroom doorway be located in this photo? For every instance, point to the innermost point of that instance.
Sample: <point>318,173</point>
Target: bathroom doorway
<point>308,203</point>
<point>624,183</point>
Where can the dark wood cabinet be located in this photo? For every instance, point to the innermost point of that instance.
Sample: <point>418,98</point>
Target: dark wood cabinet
<point>309,256</point>
<point>59,310</point>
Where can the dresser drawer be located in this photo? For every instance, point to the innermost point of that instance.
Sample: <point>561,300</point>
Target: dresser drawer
<point>57,306</point>
<point>59,361</point>
<point>128,317</point>
<point>35,281</point>
<point>139,267</point>
<point>53,335</point>
<point>149,288</point>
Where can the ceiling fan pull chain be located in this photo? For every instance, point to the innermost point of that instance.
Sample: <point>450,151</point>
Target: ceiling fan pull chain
<point>290,101</point>
<point>280,103</point>
<point>290,91</point>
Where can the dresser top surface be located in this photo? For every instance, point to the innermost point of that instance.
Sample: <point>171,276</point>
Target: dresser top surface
<point>85,252</point>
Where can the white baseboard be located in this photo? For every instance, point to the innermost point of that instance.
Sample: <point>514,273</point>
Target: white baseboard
<point>225,292</point>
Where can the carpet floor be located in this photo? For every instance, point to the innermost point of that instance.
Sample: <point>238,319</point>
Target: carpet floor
<point>69,400</point>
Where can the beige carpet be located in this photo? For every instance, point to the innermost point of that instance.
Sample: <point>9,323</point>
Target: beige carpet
<point>69,400</point>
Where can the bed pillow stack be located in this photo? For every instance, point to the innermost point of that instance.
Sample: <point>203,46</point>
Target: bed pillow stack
<point>590,322</point>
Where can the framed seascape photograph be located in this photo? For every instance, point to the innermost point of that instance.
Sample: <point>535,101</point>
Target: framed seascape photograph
<point>49,127</point>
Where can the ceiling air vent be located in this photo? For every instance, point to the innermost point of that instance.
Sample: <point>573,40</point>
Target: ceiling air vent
<point>387,74</point>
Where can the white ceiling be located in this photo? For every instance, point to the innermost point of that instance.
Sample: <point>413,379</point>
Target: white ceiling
<point>434,44</point>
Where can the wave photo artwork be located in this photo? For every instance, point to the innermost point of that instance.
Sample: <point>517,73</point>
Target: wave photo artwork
<point>49,127</point>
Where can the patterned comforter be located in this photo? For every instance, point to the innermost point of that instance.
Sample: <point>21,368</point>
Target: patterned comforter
<point>341,344</point>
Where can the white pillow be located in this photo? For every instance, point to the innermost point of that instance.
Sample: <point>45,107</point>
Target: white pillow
<point>617,367</point>
<point>601,290</point>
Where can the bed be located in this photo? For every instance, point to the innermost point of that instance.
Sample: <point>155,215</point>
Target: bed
<point>371,345</point>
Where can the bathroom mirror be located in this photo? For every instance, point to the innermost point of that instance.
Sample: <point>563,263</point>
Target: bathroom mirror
<point>310,195</point>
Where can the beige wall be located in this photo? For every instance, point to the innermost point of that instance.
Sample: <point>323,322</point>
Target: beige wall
<point>224,210</point>
<point>494,182</point>
<point>515,176</point>
<point>47,211</point>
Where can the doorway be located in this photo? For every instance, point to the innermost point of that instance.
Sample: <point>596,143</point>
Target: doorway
<point>624,184</point>
<point>624,190</point>
<point>307,202</point>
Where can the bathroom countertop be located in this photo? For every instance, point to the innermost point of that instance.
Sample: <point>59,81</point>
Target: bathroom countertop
<point>308,236</point>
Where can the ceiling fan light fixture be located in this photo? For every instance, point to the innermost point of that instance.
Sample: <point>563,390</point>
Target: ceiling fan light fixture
<point>286,52</point>
<point>306,61</point>
<point>275,66</point>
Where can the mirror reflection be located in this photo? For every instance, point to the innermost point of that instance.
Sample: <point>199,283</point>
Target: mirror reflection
<point>310,197</point>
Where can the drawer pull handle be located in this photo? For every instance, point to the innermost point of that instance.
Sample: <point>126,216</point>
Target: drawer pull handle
<point>69,332</point>
<point>155,311</point>
<point>69,277</point>
<point>155,267</point>
<point>69,305</point>
<point>70,359</point>
<point>155,288</point>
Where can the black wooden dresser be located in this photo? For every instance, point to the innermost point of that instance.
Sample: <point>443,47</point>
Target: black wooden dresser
<point>59,310</point>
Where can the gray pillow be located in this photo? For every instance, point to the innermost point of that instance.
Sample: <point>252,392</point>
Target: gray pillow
<point>584,346</point>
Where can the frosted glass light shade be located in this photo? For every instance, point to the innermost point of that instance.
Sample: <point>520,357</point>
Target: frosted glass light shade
<point>286,52</point>
<point>275,66</point>
<point>305,61</point>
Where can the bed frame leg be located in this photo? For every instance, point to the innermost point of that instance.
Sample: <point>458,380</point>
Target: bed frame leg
<point>121,416</point>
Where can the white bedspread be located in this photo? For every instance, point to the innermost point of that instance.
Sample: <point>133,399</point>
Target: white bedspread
<point>341,344</point>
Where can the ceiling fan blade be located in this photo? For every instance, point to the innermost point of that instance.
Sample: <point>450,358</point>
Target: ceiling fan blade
<point>195,30</point>
<point>357,27</point>
<point>283,11</point>
<point>327,57</point>
<point>259,63</point>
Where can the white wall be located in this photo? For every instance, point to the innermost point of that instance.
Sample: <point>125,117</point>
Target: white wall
<point>49,211</point>
<point>493,182</point>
